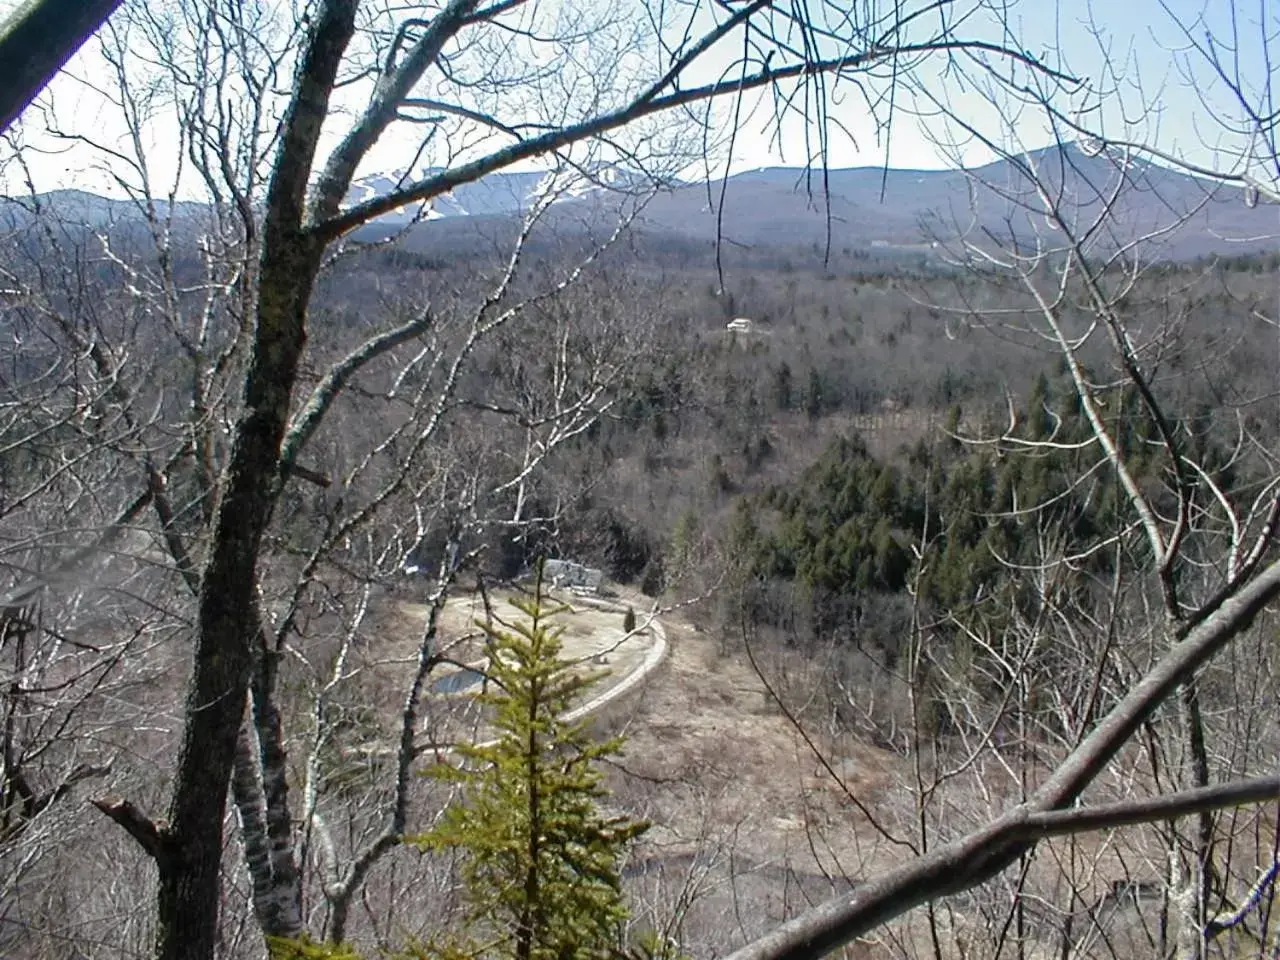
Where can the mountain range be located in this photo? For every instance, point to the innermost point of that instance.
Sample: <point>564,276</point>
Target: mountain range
<point>865,208</point>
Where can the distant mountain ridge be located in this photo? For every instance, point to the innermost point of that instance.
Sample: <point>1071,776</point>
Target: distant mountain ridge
<point>857,208</point>
<point>869,207</point>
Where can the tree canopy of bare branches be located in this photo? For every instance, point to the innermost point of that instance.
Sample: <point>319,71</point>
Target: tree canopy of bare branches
<point>194,451</point>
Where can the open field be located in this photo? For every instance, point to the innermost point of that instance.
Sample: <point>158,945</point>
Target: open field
<point>592,635</point>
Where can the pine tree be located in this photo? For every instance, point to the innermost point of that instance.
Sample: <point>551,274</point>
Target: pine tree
<point>540,858</point>
<point>683,538</point>
<point>813,397</point>
<point>307,949</point>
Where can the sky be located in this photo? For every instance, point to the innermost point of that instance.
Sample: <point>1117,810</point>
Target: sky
<point>1133,50</point>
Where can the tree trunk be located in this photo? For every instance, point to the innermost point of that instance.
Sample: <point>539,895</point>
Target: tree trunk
<point>284,906</point>
<point>1200,880</point>
<point>189,885</point>
<point>228,622</point>
<point>36,42</point>
<point>227,625</point>
<point>260,789</point>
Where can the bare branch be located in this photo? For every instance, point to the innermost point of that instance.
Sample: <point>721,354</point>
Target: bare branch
<point>337,224</point>
<point>152,835</point>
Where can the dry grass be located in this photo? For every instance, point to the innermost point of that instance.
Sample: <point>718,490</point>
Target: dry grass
<point>590,635</point>
<point>749,827</point>
<point>746,822</point>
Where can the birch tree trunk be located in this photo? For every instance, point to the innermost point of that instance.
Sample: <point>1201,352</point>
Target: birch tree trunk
<point>228,621</point>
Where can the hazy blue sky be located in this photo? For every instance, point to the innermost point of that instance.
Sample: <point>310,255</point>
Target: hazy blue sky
<point>1149,94</point>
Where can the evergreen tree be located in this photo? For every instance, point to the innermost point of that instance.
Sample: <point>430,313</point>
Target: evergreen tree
<point>279,948</point>
<point>683,537</point>
<point>782,386</point>
<point>540,858</point>
<point>814,399</point>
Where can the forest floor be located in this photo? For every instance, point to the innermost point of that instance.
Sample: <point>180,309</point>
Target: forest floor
<point>707,747</point>
<point>759,812</point>
<point>756,813</point>
<point>748,826</point>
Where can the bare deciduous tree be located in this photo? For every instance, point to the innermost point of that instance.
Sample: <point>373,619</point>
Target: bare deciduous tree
<point>405,69</point>
<point>1192,569</point>
<point>491,86</point>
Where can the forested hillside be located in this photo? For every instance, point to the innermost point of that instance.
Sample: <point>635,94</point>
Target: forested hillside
<point>576,545</point>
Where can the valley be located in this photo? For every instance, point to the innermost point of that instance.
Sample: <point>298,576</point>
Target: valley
<point>921,524</point>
